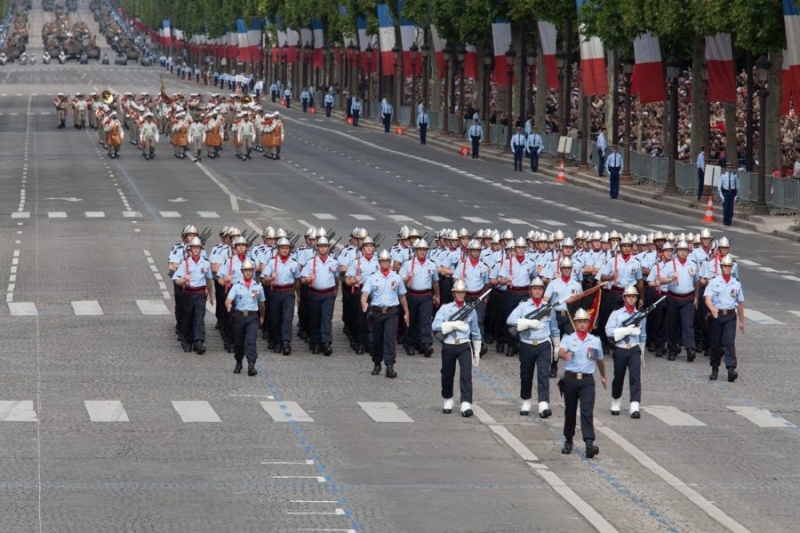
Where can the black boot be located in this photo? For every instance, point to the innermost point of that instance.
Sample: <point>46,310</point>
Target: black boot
<point>567,449</point>
<point>251,369</point>
<point>690,354</point>
<point>732,374</point>
<point>286,348</point>
<point>238,368</point>
<point>501,347</point>
<point>553,370</point>
<point>714,373</point>
<point>427,350</point>
<point>591,449</point>
<point>390,373</point>
<point>326,349</point>
<point>314,347</point>
<point>199,347</point>
<point>376,370</point>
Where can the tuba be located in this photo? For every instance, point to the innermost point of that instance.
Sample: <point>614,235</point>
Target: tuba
<point>247,99</point>
<point>108,97</point>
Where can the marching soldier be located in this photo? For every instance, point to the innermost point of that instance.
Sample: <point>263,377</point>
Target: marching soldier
<point>93,103</point>
<point>475,275</point>
<point>382,296</point>
<point>628,352</point>
<point>539,339</point>
<point>363,265</point>
<point>620,270</point>
<point>516,274</point>
<point>282,275</point>
<point>246,302</point>
<point>114,135</point>
<point>196,134</point>
<point>557,289</point>
<point>421,278</point>
<point>215,258</point>
<point>180,134</point>
<point>659,314</point>
<point>725,300</point>
<point>193,276</point>
<point>320,274</point>
<point>230,272</point>
<point>581,352</point>
<point>462,343</point>
<point>247,136</point>
<point>679,275</point>
<point>213,138</point>
<point>79,107</point>
<point>148,136</point>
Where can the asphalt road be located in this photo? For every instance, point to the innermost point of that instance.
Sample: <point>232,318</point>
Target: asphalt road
<point>106,425</point>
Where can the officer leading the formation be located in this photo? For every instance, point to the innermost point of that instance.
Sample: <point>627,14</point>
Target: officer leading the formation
<point>628,352</point>
<point>382,296</point>
<point>245,301</point>
<point>539,338</point>
<point>456,347</point>
<point>581,352</point>
<point>725,300</point>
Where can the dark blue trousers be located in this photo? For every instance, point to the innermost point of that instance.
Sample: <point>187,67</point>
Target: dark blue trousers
<point>534,155</point>
<point>700,175</point>
<point>535,358</point>
<point>321,317</point>
<point>274,96</point>
<point>613,183</point>
<point>288,102</point>
<point>328,108</point>
<point>355,117</point>
<point>193,312</point>
<point>518,158</point>
<point>387,122</point>
<point>461,354</point>
<point>281,313</point>
<point>476,144</point>
<point>245,332</point>
<point>680,313</point>
<point>384,331</point>
<point>420,308</point>
<point>579,391</point>
<point>627,360</point>
<point>727,206</point>
<point>423,133</point>
<point>601,160</point>
<point>723,337</point>
<point>305,106</point>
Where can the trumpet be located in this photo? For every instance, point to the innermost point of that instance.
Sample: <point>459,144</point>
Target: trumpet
<point>107,97</point>
<point>247,99</point>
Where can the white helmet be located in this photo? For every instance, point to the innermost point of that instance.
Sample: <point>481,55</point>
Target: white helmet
<point>269,233</point>
<point>195,242</point>
<point>567,242</point>
<point>384,255</point>
<point>452,235</point>
<point>507,234</point>
<point>723,243</point>
<point>596,236</point>
<point>659,236</point>
<point>321,232</point>
<point>323,241</point>
<point>459,286</point>
<point>667,246</point>
<point>283,241</point>
<point>682,245</point>
<point>280,233</point>
<point>463,232</point>
<point>248,265</point>
<point>558,235</point>
<point>630,290</point>
<point>239,240</point>
<point>566,263</point>
<point>520,242</point>
<point>726,261</point>
<point>189,228</point>
<point>579,234</point>
<point>234,231</point>
<point>581,314</point>
<point>367,240</point>
<point>705,234</point>
<point>537,282</point>
<point>422,243</point>
<point>474,245</point>
<point>311,233</point>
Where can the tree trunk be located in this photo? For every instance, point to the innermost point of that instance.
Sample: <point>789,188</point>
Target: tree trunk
<point>774,154</point>
<point>541,91</point>
<point>700,122</point>
<point>730,134</point>
<point>611,107</point>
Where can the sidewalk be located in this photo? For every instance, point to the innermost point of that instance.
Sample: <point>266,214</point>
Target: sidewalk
<point>787,227</point>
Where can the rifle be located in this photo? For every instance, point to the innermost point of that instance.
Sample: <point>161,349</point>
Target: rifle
<point>636,318</point>
<point>294,240</point>
<point>544,310</point>
<point>464,312</point>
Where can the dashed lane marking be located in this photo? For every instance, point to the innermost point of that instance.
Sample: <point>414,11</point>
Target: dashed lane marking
<point>195,411</point>
<point>761,417</point>
<point>384,412</point>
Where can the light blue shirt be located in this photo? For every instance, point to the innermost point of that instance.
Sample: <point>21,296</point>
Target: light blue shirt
<point>420,276</point>
<point>218,253</point>
<point>616,319</point>
<point>475,131</point>
<point>355,105</point>
<point>384,291</point>
<point>232,266</point>
<point>724,294</point>
<point>686,275</point>
<point>401,254</point>
<point>283,272</point>
<point>362,266</point>
<point>728,181</point>
<point>601,142</point>
<point>475,277</point>
<point>628,272</point>
<point>517,142</point>
<point>584,353</point>
<point>534,143</point>
<point>244,298</point>
<point>552,269</point>
<point>558,290</point>
<point>701,160</point>
<point>325,272</point>
<point>518,274</point>
<point>304,254</point>
<point>657,271</point>
<point>445,313</point>
<point>198,272</point>
<point>423,118</point>
<point>550,328</point>
<point>329,99</point>
<point>614,160</point>
<point>711,269</point>
<point>305,96</point>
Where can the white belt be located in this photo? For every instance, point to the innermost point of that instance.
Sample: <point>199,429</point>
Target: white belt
<point>534,342</point>
<point>456,342</point>
<point>626,345</point>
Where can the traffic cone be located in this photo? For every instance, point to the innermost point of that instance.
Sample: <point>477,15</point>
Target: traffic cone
<point>561,174</point>
<point>709,216</point>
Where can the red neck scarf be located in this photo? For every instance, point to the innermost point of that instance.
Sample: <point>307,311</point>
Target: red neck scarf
<point>421,261</point>
<point>284,259</point>
<point>520,259</point>
<point>630,309</point>
<point>385,272</point>
<point>196,258</point>
<point>565,279</point>
<point>323,258</point>
<point>726,278</point>
<point>537,301</point>
<point>459,304</point>
<point>242,257</point>
<point>368,257</point>
<point>248,282</point>
<point>682,261</point>
<point>626,257</point>
<point>582,336</point>
<point>474,261</point>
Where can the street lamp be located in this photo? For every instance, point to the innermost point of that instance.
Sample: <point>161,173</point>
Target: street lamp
<point>426,51</point>
<point>763,65</point>
<point>369,52</point>
<point>530,59</point>
<point>627,71</point>
<point>398,83</point>
<point>488,61</point>
<point>511,55</point>
<point>447,52</point>
<point>414,51</point>
<point>673,70</point>
<point>461,55</point>
<point>561,63</point>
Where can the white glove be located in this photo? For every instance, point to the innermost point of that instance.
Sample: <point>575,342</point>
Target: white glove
<point>556,343</point>
<point>447,327</point>
<point>525,323</point>
<point>476,353</point>
<point>641,348</point>
<point>635,331</point>
<point>620,333</point>
<point>537,324</point>
<point>460,325</point>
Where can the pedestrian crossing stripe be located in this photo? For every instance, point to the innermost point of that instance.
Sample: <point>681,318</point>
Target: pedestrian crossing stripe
<point>196,411</point>
<point>170,214</point>
<point>438,219</point>
<point>324,216</point>
<point>362,217</point>
<point>477,220</point>
<point>761,318</point>
<point>137,214</point>
<point>761,417</point>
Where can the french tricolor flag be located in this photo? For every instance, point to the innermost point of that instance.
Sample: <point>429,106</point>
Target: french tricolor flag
<point>471,59</point>
<point>719,60</point>
<point>791,19</point>
<point>501,38</point>
<point>254,38</point>
<point>647,81</point>
<point>547,35</point>
<point>243,45</point>
<point>786,85</point>
<point>438,50</point>
<point>292,38</point>
<point>319,42</point>
<point>364,42</point>
<point>593,62</point>
<point>409,34</point>
<point>386,37</point>
<point>166,33</point>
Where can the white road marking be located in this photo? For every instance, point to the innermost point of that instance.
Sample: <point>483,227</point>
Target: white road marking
<point>286,411</point>
<point>438,219</point>
<point>56,214</point>
<point>324,216</point>
<point>106,411</point>
<point>95,214</point>
<point>795,313</point>
<point>586,510</point>
<point>337,512</point>
<point>320,479</point>
<point>170,214</point>
<point>21,214</point>
<point>477,220</point>
<point>515,221</point>
<point>384,412</point>
<point>87,308</point>
<point>551,222</point>
<point>747,262</point>
<point>761,318</point>
<point>22,309</point>
<point>132,214</point>
<point>672,416</point>
<point>586,222</point>
<point>234,201</point>
<point>791,278</point>
<point>17,411</point>
<point>306,462</point>
<point>152,307</point>
<point>761,417</point>
<point>692,495</point>
<point>208,214</point>
<point>402,218</point>
<point>196,411</point>
<point>362,217</point>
